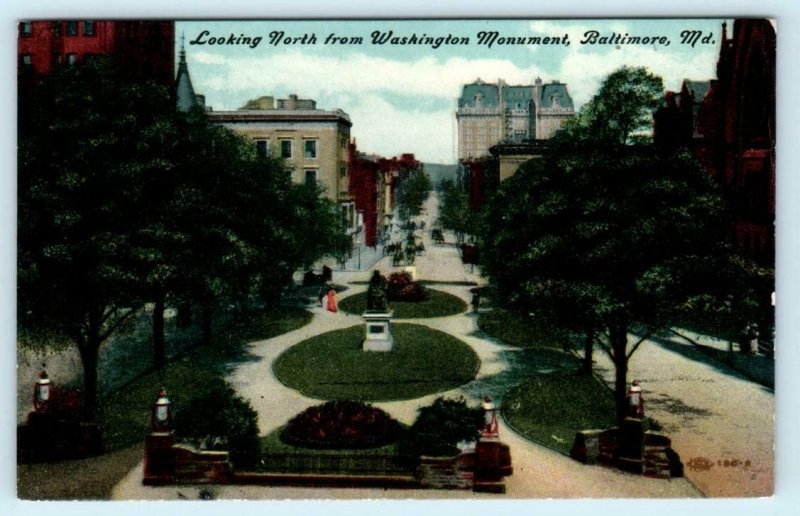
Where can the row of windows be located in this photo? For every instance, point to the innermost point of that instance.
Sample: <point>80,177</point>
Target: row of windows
<point>287,149</point>
<point>70,28</point>
<point>27,59</point>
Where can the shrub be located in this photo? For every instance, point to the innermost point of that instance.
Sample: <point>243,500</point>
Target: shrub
<point>402,288</point>
<point>341,424</point>
<point>219,419</point>
<point>440,426</point>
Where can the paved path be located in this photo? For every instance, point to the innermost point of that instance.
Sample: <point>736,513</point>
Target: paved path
<point>740,414</point>
<point>713,414</point>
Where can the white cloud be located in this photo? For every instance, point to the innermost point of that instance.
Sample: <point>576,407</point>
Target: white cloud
<point>371,88</point>
<point>383,129</point>
<point>358,74</point>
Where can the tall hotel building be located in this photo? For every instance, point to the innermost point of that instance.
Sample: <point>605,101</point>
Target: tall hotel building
<point>492,113</point>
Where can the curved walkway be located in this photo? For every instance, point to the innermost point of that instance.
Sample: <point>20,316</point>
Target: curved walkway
<point>538,471</point>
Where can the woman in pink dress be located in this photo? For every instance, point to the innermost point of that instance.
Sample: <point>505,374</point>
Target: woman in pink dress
<point>331,300</point>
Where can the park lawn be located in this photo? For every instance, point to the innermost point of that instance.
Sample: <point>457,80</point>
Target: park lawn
<point>440,304</point>
<point>333,365</point>
<point>516,330</point>
<point>124,417</point>
<point>550,408</point>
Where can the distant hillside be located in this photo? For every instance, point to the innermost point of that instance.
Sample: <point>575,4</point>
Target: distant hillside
<point>438,171</point>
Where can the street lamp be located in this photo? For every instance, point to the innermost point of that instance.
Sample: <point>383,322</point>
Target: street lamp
<point>41,392</point>
<point>635,401</point>
<point>490,426</point>
<point>162,413</point>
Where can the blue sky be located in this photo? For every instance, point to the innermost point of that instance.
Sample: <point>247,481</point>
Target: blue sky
<point>402,98</point>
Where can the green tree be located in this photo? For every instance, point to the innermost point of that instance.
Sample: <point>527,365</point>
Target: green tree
<point>623,107</point>
<point>87,141</point>
<point>611,240</point>
<point>455,212</point>
<point>440,426</point>
<point>412,193</point>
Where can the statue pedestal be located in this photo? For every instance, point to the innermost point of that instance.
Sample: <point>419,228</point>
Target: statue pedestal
<point>378,335</point>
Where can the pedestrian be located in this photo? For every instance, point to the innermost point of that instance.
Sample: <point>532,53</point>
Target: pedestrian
<point>476,300</point>
<point>332,300</point>
<point>323,291</point>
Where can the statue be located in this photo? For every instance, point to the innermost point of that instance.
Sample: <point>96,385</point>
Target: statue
<point>377,299</point>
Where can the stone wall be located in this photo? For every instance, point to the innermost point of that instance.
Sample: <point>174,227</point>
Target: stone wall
<point>447,472</point>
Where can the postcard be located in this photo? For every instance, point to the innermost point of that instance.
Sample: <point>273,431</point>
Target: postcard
<point>470,259</point>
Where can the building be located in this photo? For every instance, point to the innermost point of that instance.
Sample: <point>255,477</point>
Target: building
<point>368,188</point>
<point>728,124</point>
<point>491,113</point>
<point>144,50</point>
<point>313,142</point>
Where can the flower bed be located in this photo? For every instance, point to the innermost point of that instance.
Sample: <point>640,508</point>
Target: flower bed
<point>402,288</point>
<point>341,424</point>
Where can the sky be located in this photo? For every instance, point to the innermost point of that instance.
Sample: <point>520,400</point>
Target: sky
<point>402,98</point>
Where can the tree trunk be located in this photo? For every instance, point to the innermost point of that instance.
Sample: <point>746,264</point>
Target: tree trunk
<point>588,349</point>
<point>159,344</point>
<point>619,345</point>
<point>89,348</point>
<point>208,320</point>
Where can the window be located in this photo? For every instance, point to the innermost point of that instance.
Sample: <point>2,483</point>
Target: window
<point>72,58</point>
<point>25,29</point>
<point>56,28</point>
<point>286,149</point>
<point>310,149</point>
<point>56,59</point>
<point>262,148</point>
<point>25,60</point>
<point>72,28</point>
<point>311,177</point>
<point>88,28</point>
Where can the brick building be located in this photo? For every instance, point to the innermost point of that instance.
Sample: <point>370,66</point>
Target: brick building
<point>144,50</point>
<point>728,123</point>
<point>368,188</point>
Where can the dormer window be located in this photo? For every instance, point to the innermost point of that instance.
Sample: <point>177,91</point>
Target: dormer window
<point>554,100</point>
<point>478,99</point>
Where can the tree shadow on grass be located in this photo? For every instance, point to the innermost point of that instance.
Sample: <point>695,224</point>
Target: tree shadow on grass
<point>516,366</point>
<point>763,371</point>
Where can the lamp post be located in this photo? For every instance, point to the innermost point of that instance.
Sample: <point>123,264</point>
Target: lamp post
<point>490,426</point>
<point>635,402</point>
<point>162,413</point>
<point>41,392</point>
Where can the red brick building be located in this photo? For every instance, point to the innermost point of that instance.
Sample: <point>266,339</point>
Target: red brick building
<point>729,125</point>
<point>367,189</point>
<point>373,182</point>
<point>145,50</point>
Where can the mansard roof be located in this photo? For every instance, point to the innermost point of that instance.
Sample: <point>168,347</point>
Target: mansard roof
<point>490,96</point>
<point>517,97</point>
<point>514,96</point>
<point>555,89</point>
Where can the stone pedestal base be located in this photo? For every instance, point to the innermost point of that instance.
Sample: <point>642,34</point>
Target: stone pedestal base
<point>378,335</point>
<point>159,459</point>
<point>492,464</point>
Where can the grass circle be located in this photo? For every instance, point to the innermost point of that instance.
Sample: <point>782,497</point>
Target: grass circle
<point>440,304</point>
<point>333,366</point>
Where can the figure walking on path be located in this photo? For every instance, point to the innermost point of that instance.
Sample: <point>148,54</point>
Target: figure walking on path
<point>332,300</point>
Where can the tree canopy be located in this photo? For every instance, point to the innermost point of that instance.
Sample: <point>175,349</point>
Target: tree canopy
<point>412,193</point>
<point>622,108</point>
<point>455,212</point>
<point>123,201</point>
<point>607,237</point>
<point>609,242</point>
